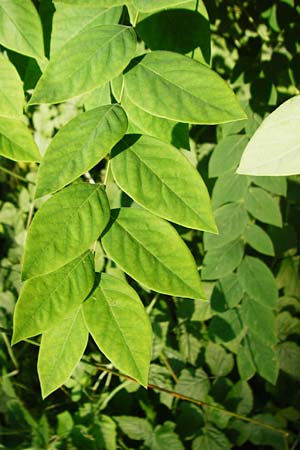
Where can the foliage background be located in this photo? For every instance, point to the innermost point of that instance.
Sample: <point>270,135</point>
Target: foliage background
<point>256,47</point>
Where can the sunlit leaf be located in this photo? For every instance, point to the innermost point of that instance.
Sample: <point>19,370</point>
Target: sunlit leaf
<point>16,141</point>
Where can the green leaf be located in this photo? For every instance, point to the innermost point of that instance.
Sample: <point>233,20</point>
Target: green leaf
<point>135,428</point>
<point>47,299</point>
<point>259,239</point>
<point>225,327</point>
<point>263,206</point>
<point>240,398</point>
<point>222,261</point>
<point>229,188</point>
<point>193,383</point>
<point>226,155</point>
<point>152,5</point>
<point>16,141</point>
<point>163,172</point>
<point>289,358</point>
<point>188,91</point>
<point>258,281</point>
<point>211,438</point>
<point>227,293</point>
<point>99,3</point>
<point>64,227</point>
<point>79,146</point>
<point>276,185</point>
<point>135,241</point>
<point>88,60</point>
<point>98,97</point>
<point>20,28</point>
<point>11,90</point>
<point>105,433</point>
<point>259,319</point>
<point>70,19</point>
<point>274,148</point>
<point>264,357</point>
<point>164,438</point>
<point>219,361</point>
<point>61,349</point>
<point>245,363</point>
<point>231,221</point>
<point>115,309</point>
<point>141,122</point>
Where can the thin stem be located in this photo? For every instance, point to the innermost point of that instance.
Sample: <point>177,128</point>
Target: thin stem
<point>106,174</point>
<point>19,177</point>
<point>169,367</point>
<point>199,402</point>
<point>30,214</point>
<point>9,350</point>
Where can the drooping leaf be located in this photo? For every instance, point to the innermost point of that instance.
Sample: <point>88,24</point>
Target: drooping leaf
<point>16,141</point>
<point>150,250</point>
<point>46,299</point>
<point>70,19</point>
<point>222,261</point>
<point>263,206</point>
<point>259,239</point>
<point>231,221</point>
<point>11,90</point>
<point>61,349</point>
<point>226,155</point>
<point>188,91</point>
<point>20,28</point>
<point>275,148</point>
<point>258,281</point>
<point>157,176</point>
<point>64,227</point>
<point>88,60</point>
<point>118,322</point>
<point>166,130</point>
<point>259,319</point>
<point>79,146</point>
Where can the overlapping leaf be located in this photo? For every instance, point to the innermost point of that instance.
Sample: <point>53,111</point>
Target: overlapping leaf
<point>22,36</point>
<point>61,349</point>
<point>188,91</point>
<point>160,178</point>
<point>16,141</point>
<point>11,90</point>
<point>46,299</point>
<point>79,146</point>
<point>263,206</point>
<point>151,251</point>
<point>64,227</point>
<point>88,60</point>
<point>115,309</point>
<point>152,5</point>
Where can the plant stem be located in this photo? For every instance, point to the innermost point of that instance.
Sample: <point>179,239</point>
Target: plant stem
<point>19,177</point>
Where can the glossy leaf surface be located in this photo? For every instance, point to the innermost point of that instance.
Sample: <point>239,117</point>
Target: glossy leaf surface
<point>64,227</point>
<point>157,176</point>
<point>150,250</point>
<point>115,309</point>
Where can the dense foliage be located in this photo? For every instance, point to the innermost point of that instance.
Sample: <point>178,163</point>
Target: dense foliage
<point>224,373</point>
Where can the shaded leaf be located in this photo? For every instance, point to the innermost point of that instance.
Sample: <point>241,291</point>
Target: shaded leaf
<point>259,319</point>
<point>229,188</point>
<point>222,261</point>
<point>219,361</point>
<point>263,206</point>
<point>259,239</point>
<point>226,155</point>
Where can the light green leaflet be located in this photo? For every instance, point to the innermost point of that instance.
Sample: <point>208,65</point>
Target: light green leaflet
<point>259,239</point>
<point>98,97</point>
<point>263,206</point>
<point>11,90</point>
<point>79,146</point>
<point>118,322</point>
<point>274,149</point>
<point>152,5</point>
<point>157,176</point>
<point>232,147</point>
<point>175,87</point>
<point>222,261</point>
<point>64,227</point>
<point>70,19</point>
<point>229,187</point>
<point>88,60</point>
<point>259,319</point>
<point>231,221</point>
<point>20,28</point>
<point>258,281</point>
<point>61,349</point>
<point>100,3</point>
<point>16,141</point>
<point>150,250</point>
<point>142,122</point>
<point>47,299</point>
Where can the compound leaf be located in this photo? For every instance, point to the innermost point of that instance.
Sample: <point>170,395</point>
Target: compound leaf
<point>61,349</point>
<point>150,250</point>
<point>157,176</point>
<point>79,146</point>
<point>88,60</point>
<point>64,227</point>
<point>46,299</point>
<point>173,86</point>
<point>115,309</point>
